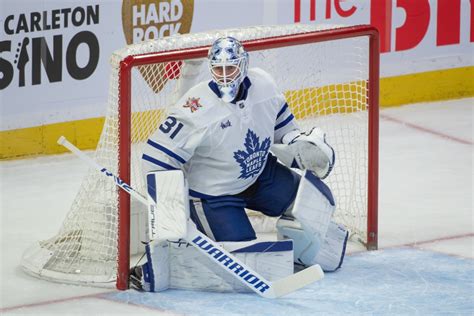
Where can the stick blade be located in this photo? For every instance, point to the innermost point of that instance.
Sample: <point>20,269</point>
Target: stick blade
<point>298,280</point>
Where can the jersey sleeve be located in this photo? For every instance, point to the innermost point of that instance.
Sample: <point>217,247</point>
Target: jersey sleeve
<point>285,123</point>
<point>172,144</point>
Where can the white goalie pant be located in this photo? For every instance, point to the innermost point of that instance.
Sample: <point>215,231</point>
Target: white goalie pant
<point>178,265</point>
<point>317,240</point>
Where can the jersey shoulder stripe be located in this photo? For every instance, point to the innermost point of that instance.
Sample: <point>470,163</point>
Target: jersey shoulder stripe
<point>283,109</point>
<point>157,162</point>
<point>285,122</point>
<point>166,151</point>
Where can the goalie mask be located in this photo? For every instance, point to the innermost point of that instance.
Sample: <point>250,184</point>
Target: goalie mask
<point>228,63</point>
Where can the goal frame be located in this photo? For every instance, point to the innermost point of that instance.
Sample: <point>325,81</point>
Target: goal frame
<point>125,99</point>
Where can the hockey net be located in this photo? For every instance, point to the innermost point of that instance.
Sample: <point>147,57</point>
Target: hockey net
<point>329,76</point>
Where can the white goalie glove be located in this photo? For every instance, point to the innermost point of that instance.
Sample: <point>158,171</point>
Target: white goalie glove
<point>306,151</point>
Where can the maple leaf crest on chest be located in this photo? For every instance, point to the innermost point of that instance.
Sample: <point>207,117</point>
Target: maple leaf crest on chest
<point>193,104</point>
<point>253,158</point>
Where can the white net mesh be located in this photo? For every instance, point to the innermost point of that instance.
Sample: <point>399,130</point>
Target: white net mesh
<point>325,85</point>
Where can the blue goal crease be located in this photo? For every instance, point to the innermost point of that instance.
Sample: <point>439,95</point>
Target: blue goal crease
<point>386,282</point>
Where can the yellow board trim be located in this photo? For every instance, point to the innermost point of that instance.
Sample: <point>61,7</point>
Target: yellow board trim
<point>428,86</point>
<point>41,140</point>
<point>394,91</point>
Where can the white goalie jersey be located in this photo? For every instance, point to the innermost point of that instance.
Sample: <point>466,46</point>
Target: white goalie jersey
<point>221,147</point>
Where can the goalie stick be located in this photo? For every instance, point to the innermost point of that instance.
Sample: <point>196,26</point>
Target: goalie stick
<point>214,251</point>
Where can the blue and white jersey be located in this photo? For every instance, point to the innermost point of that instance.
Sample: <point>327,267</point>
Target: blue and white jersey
<point>221,147</point>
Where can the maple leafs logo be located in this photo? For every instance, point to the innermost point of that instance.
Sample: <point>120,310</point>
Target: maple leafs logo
<point>253,158</point>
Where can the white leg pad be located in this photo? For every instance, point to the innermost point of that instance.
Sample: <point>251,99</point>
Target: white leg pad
<point>189,269</point>
<point>156,271</point>
<point>305,248</point>
<point>331,253</point>
<point>313,208</point>
<point>333,250</point>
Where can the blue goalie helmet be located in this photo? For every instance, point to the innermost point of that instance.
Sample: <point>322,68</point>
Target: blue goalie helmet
<point>228,63</point>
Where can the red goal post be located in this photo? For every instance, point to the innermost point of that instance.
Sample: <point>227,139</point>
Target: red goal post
<point>330,77</point>
<point>251,45</point>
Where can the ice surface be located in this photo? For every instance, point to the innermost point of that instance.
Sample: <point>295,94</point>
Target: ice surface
<point>392,281</point>
<point>425,265</point>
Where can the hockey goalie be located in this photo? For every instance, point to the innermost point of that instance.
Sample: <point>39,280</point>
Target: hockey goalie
<point>236,146</point>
